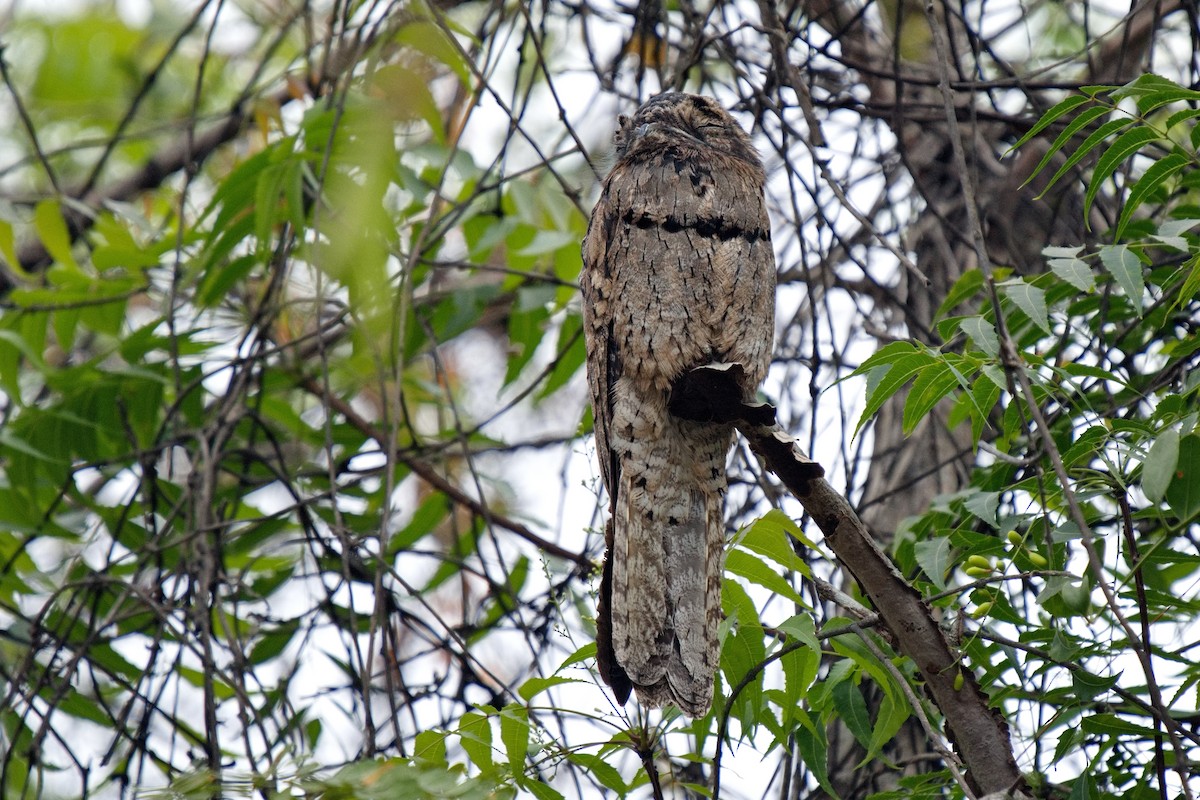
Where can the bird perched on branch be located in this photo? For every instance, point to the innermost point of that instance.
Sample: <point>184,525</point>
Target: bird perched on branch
<point>678,274</point>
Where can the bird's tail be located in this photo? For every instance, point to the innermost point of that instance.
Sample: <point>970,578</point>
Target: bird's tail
<point>665,565</point>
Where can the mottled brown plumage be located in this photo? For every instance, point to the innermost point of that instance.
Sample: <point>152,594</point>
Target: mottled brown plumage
<point>678,273</point>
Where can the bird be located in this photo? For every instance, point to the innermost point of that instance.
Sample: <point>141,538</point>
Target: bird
<point>678,274</point>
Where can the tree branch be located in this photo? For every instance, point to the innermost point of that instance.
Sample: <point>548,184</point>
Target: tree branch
<point>979,733</point>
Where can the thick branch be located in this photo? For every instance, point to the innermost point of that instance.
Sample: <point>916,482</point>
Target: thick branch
<point>979,733</point>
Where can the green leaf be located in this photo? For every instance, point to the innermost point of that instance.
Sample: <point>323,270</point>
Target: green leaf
<point>850,706</point>
<point>800,665</point>
<point>893,711</point>
<point>1088,144</point>
<point>1031,300</point>
<point>579,656</point>
<point>535,686</point>
<point>514,732</point>
<point>1191,284</point>
<point>431,40</point>
<point>932,384</point>
<point>755,570</point>
<point>933,557</point>
<point>1074,271</point>
<point>1124,265</point>
<point>430,747</point>
<point>542,791</point>
<point>8,248</point>
<point>890,382</point>
<point>802,628</point>
<point>1060,109</point>
<point>1159,466</point>
<point>983,334</point>
<point>1183,494</point>
<point>1087,686</point>
<point>1153,178</point>
<point>571,355</point>
<point>764,537</point>
<point>814,748</point>
<point>1122,148</point>
<point>601,770</point>
<point>52,230</point>
<point>1085,788</point>
<point>274,641</point>
<point>1177,227</point>
<point>983,505</point>
<point>967,286</point>
<point>475,736</point>
<point>1116,726</point>
<point>771,534</point>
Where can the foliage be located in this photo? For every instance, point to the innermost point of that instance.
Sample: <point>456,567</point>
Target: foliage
<point>1086,377</point>
<point>291,501</point>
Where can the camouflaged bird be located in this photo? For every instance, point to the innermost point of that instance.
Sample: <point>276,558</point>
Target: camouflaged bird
<point>678,274</point>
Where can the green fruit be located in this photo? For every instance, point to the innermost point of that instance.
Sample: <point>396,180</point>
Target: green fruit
<point>979,561</point>
<point>982,610</point>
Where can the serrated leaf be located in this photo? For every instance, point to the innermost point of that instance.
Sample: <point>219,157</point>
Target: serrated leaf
<point>933,557</point>
<point>982,333</point>
<point>1176,227</point>
<point>601,770</point>
<point>1154,177</point>
<point>52,231</point>
<point>1064,106</point>
<point>8,248</point>
<point>1183,493</point>
<point>1116,726</point>
<point>802,628</point>
<point>1124,265</point>
<point>1159,467</point>
<point>888,354</point>
<point>983,505</point>
<point>1122,148</point>
<point>1075,272</point>
<point>1031,300</point>
<point>850,706</point>
<point>1180,116</point>
<point>932,384</point>
<point>892,713</point>
<point>755,570</point>
<point>769,536</point>
<point>514,733</point>
<point>542,791</point>
<point>1088,144</point>
<point>535,686</point>
<point>1085,788</point>
<point>475,736</point>
<point>1053,251</point>
<point>580,655</point>
<point>1190,287</point>
<point>430,747</point>
<point>967,286</point>
<point>814,749</point>
<point>898,374</point>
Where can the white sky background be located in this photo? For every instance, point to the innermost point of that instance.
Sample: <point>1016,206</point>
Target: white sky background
<point>555,488</point>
